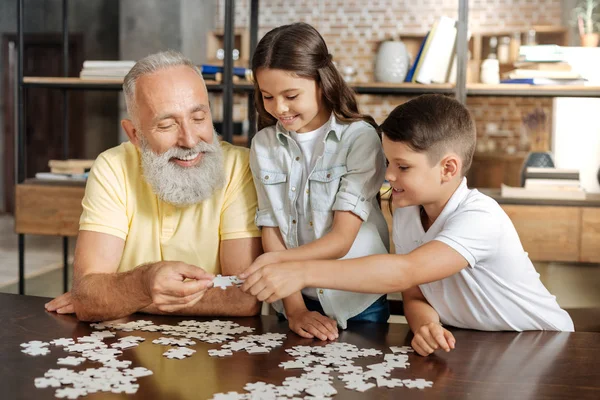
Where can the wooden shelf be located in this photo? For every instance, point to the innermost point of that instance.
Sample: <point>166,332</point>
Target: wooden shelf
<point>473,89</point>
<point>401,88</point>
<point>480,89</point>
<point>109,84</point>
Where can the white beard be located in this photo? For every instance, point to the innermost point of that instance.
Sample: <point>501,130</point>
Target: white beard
<point>183,186</point>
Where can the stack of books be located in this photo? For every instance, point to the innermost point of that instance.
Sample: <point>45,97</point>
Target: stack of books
<point>66,170</point>
<point>434,60</point>
<point>542,65</point>
<point>105,70</point>
<point>70,166</point>
<point>548,183</point>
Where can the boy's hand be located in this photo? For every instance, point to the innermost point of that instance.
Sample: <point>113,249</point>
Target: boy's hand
<point>273,282</point>
<point>430,337</point>
<point>310,324</point>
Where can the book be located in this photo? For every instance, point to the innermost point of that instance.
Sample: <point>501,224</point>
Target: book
<point>437,56</point>
<point>72,166</point>
<point>544,81</point>
<point>426,44</point>
<point>533,73</point>
<point>551,173</point>
<point>549,194</point>
<point>552,184</point>
<point>546,66</point>
<point>118,64</point>
<point>50,176</point>
<point>242,72</point>
<point>411,72</point>
<point>72,162</point>
<point>541,53</point>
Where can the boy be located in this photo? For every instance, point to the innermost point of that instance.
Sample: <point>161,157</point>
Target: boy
<point>459,259</point>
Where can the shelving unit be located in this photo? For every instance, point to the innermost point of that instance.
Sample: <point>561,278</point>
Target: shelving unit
<point>27,188</point>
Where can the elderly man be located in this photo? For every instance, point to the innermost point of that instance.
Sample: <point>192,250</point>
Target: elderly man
<point>167,210</point>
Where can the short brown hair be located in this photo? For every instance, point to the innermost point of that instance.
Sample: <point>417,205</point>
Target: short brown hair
<point>301,50</point>
<point>434,124</point>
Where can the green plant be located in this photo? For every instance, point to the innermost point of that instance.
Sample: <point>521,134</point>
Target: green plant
<point>586,16</point>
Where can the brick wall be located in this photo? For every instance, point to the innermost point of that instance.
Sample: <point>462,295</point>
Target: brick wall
<point>353,32</point>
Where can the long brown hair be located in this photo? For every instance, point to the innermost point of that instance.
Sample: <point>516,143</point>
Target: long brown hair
<point>300,49</point>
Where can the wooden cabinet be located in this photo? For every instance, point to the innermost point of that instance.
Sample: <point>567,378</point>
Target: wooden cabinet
<point>590,235</point>
<point>554,233</point>
<point>48,209</point>
<point>548,233</point>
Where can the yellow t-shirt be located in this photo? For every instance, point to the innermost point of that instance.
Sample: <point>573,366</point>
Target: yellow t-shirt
<point>118,201</point>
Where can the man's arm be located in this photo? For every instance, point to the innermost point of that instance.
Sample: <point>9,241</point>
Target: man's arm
<point>236,255</point>
<point>100,293</point>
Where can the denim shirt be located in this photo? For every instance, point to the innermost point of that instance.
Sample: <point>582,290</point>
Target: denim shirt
<point>347,176</point>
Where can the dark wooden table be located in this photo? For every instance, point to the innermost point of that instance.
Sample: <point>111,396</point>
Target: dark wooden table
<point>485,365</point>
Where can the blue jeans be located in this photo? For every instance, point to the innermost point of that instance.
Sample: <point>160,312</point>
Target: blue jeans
<point>379,311</point>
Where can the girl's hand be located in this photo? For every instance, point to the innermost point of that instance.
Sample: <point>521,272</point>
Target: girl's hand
<point>264,260</point>
<point>273,282</point>
<point>310,324</point>
<point>432,336</point>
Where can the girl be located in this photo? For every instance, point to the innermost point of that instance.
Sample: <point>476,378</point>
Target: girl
<point>318,167</point>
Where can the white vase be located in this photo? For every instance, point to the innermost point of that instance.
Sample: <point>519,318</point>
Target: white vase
<point>392,62</point>
<point>490,71</point>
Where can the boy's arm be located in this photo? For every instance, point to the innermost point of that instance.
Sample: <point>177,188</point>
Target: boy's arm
<point>385,273</point>
<point>424,321</point>
<point>417,309</point>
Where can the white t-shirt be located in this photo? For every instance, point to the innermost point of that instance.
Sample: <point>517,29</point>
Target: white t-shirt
<point>500,288</point>
<point>311,145</point>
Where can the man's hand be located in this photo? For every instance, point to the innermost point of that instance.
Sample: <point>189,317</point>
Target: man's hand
<point>275,281</point>
<point>310,324</point>
<point>174,285</point>
<point>430,337</point>
<point>62,304</point>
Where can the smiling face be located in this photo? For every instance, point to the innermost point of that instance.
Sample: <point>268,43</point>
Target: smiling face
<point>180,154</point>
<point>414,180</point>
<point>294,101</point>
<point>172,111</point>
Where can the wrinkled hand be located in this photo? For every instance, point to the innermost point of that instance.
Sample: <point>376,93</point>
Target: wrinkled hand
<point>273,282</point>
<point>431,337</point>
<point>310,324</point>
<point>62,304</point>
<point>174,285</point>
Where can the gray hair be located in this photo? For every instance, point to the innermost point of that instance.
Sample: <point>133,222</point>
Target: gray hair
<point>147,65</point>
